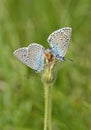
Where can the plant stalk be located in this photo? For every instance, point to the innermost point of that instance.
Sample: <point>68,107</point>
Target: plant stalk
<point>48,107</point>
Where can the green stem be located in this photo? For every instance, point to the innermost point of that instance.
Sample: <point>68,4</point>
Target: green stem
<point>47,118</point>
<point>50,107</point>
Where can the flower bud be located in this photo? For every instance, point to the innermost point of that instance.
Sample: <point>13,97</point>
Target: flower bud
<point>49,72</point>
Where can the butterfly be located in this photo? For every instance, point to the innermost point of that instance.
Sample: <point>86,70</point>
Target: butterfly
<point>59,42</point>
<point>33,55</point>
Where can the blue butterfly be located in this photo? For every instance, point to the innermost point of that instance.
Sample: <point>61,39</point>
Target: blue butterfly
<point>33,55</point>
<point>59,42</point>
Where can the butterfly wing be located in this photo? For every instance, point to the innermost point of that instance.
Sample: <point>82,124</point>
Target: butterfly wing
<point>32,56</point>
<point>36,51</point>
<point>59,41</point>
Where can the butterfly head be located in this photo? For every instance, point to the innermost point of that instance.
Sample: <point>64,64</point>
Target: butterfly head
<point>60,58</point>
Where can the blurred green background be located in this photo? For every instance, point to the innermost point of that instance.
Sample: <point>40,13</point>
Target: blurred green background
<point>21,90</point>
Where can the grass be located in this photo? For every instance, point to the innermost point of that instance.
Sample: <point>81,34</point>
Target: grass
<point>21,90</point>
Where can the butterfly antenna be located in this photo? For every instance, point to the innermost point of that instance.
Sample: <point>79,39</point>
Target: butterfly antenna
<point>68,59</point>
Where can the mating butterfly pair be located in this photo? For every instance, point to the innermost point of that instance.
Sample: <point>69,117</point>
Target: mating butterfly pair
<point>33,55</point>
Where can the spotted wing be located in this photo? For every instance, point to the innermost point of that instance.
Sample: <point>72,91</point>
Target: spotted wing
<point>32,56</point>
<point>59,41</point>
